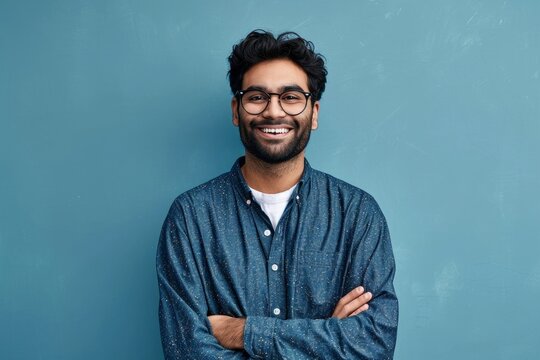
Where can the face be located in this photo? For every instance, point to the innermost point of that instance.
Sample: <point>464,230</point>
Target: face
<point>273,136</point>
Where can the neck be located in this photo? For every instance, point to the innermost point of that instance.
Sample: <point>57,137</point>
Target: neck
<point>272,178</point>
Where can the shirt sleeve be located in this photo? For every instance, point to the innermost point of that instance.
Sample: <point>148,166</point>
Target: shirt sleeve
<point>184,325</point>
<point>369,335</point>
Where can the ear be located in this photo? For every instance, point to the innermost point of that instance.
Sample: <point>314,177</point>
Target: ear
<point>315,116</point>
<point>234,108</point>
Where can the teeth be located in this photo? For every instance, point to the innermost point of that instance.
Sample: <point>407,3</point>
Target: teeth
<point>275,131</point>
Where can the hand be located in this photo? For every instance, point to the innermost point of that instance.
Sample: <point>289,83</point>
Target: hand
<point>353,303</point>
<point>228,330</point>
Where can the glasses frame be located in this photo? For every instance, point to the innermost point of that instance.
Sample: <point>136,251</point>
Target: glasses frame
<point>240,94</point>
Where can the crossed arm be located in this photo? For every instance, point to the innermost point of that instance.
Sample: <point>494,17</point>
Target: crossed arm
<point>356,330</point>
<point>229,331</point>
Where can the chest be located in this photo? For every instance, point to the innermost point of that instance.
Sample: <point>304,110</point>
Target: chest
<point>252,269</point>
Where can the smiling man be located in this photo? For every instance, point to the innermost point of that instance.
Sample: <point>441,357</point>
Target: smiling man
<point>274,259</point>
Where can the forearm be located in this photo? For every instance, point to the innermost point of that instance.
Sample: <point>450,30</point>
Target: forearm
<point>229,331</point>
<point>185,329</point>
<point>369,335</point>
<point>185,336</point>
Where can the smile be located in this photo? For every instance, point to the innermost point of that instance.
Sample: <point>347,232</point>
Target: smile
<point>275,130</point>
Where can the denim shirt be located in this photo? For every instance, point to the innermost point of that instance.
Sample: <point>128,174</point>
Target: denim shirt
<point>218,254</point>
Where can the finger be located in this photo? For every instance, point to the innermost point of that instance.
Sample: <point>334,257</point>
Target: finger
<point>354,293</point>
<point>346,299</point>
<point>355,304</point>
<point>360,309</point>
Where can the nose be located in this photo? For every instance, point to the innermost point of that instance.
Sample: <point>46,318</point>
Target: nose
<point>274,109</point>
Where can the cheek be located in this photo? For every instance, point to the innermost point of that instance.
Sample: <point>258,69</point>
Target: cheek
<point>242,123</point>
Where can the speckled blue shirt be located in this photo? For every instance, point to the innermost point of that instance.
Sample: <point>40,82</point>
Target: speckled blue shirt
<point>218,254</point>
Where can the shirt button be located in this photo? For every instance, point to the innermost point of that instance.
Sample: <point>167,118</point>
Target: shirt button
<point>277,311</point>
<point>267,232</point>
<point>275,267</point>
<point>248,202</point>
<point>297,197</point>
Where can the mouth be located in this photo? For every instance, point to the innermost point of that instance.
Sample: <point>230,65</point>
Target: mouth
<point>276,131</point>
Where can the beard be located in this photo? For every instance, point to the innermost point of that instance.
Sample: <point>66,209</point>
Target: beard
<point>279,150</point>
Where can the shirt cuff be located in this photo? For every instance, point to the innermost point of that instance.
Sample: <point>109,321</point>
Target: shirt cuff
<point>259,336</point>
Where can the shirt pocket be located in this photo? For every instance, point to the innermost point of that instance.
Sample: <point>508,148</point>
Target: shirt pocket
<point>319,282</point>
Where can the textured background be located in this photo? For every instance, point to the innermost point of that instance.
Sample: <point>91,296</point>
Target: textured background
<point>109,109</point>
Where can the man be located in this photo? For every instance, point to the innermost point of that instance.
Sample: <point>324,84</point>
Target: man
<point>276,260</point>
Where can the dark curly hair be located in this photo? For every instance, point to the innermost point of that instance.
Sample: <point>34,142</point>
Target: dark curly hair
<point>260,45</point>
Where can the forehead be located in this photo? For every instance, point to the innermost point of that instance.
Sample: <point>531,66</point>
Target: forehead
<point>275,74</point>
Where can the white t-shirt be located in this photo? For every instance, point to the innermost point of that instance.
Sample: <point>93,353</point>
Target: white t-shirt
<point>273,205</point>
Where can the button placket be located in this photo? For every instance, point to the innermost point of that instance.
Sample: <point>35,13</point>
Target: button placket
<point>276,284</point>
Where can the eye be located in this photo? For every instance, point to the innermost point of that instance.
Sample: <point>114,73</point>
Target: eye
<point>292,96</point>
<point>255,96</point>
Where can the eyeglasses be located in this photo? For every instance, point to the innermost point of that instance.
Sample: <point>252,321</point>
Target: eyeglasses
<point>255,102</point>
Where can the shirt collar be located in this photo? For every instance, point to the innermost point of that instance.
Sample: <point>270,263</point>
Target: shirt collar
<point>243,187</point>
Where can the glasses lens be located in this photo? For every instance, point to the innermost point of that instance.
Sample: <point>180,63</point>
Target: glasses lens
<point>293,102</point>
<point>254,101</point>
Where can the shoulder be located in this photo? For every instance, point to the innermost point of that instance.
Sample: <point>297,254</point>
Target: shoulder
<point>348,195</point>
<point>323,181</point>
<point>206,193</point>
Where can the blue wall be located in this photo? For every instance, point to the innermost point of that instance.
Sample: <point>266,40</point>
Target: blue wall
<point>109,109</point>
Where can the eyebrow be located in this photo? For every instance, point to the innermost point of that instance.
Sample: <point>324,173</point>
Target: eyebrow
<point>290,87</point>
